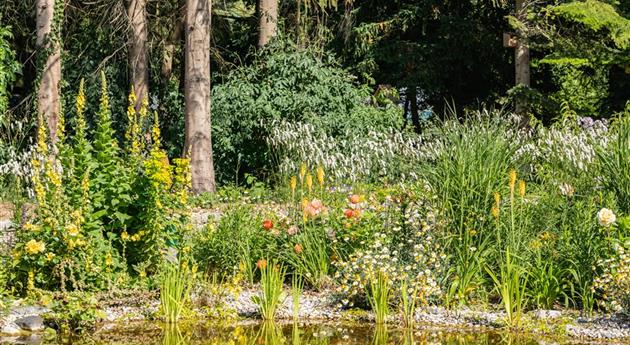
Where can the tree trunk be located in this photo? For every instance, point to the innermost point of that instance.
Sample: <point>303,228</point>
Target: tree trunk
<point>268,27</point>
<point>198,142</point>
<point>138,56</point>
<point>521,62</point>
<point>169,50</point>
<point>49,45</point>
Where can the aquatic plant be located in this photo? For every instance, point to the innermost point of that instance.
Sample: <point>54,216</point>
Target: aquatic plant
<point>378,294</point>
<point>271,294</point>
<point>175,285</point>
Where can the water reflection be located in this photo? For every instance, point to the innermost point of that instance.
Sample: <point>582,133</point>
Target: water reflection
<point>269,333</point>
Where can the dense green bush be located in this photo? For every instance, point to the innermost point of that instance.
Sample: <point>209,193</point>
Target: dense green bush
<point>284,83</point>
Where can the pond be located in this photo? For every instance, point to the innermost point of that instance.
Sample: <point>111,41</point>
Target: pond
<point>290,334</point>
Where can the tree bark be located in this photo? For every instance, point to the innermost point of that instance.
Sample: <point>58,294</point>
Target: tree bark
<point>521,62</point>
<point>198,141</point>
<point>138,56</point>
<point>169,49</point>
<point>268,27</point>
<point>49,44</point>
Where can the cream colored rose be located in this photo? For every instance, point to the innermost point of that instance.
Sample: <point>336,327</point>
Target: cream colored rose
<point>606,217</point>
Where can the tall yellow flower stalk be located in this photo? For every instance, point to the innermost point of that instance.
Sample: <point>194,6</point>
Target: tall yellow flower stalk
<point>302,172</point>
<point>309,182</point>
<point>320,176</point>
<point>293,185</point>
<point>132,124</point>
<point>81,124</point>
<point>155,132</point>
<point>497,204</point>
<point>512,176</point>
<point>521,189</point>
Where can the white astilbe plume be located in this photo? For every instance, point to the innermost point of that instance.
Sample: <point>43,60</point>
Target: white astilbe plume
<point>350,156</point>
<point>568,144</point>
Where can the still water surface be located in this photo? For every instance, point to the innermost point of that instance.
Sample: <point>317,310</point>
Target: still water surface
<point>272,334</point>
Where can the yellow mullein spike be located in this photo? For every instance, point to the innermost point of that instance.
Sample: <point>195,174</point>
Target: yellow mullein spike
<point>131,117</point>
<point>144,110</point>
<point>155,131</point>
<point>521,188</point>
<point>81,102</point>
<point>104,111</point>
<point>320,176</point>
<point>42,146</point>
<point>61,128</point>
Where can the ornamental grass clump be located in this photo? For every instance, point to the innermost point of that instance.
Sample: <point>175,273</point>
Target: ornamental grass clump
<point>271,294</point>
<point>615,165</point>
<point>511,283</point>
<point>472,159</point>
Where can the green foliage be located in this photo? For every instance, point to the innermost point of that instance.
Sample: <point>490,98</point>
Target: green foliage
<point>175,285</point>
<point>87,232</point>
<point>73,311</point>
<point>472,163</point>
<point>271,294</point>
<point>9,69</point>
<point>312,257</point>
<point>598,15</point>
<point>286,84</point>
<point>408,301</point>
<point>238,240</point>
<point>510,283</point>
<point>297,287</point>
<point>378,294</point>
<point>615,165</point>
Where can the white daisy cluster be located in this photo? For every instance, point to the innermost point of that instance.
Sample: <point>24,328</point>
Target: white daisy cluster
<point>405,251</point>
<point>615,281</point>
<point>350,156</point>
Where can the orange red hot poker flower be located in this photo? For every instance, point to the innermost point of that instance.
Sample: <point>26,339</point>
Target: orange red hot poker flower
<point>267,224</point>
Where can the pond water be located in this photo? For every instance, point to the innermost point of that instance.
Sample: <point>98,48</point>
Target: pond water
<point>289,334</point>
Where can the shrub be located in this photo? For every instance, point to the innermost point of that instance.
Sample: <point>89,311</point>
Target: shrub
<point>286,83</point>
<point>404,250</point>
<point>100,209</point>
<point>238,240</point>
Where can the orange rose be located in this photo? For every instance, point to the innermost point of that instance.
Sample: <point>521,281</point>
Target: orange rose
<point>355,199</point>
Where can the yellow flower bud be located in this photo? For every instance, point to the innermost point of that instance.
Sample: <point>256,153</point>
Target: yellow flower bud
<point>309,182</point>
<point>521,188</point>
<point>293,183</point>
<point>320,176</point>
